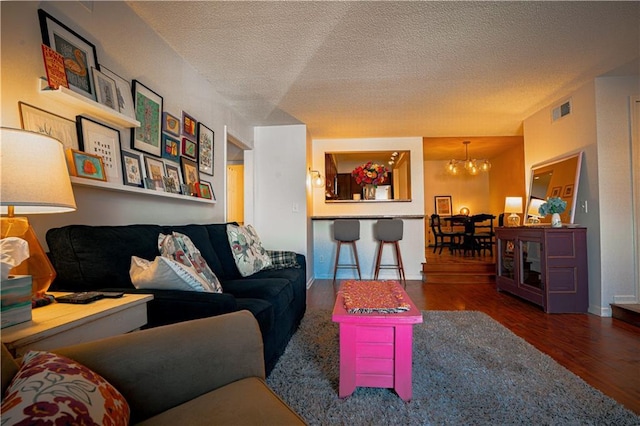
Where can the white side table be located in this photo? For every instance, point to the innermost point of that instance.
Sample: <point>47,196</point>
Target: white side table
<point>64,324</point>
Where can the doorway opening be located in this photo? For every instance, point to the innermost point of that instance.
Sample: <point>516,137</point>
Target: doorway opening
<point>234,176</point>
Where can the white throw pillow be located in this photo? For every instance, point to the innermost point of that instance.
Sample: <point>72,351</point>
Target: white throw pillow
<point>247,249</point>
<point>165,274</point>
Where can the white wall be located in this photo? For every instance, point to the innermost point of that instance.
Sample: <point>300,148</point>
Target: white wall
<point>128,47</point>
<point>280,191</point>
<point>465,191</point>
<point>412,245</point>
<point>599,126</point>
<point>614,97</point>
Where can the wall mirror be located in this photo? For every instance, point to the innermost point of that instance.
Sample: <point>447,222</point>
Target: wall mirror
<point>555,178</point>
<point>341,187</point>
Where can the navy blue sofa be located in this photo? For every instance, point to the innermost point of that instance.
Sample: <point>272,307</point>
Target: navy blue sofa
<point>98,258</point>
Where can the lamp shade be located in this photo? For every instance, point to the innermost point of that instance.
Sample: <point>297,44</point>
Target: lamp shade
<point>513,205</point>
<point>534,205</point>
<point>34,176</point>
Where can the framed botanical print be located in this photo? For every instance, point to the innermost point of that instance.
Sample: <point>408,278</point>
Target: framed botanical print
<point>101,140</point>
<point>132,169</point>
<point>40,121</point>
<point>189,149</point>
<point>83,164</point>
<point>170,148</point>
<point>155,171</point>
<point>188,126</point>
<point>105,89</point>
<point>170,124</point>
<point>124,99</point>
<point>205,149</point>
<point>443,205</point>
<point>148,107</point>
<point>78,53</point>
<point>190,175</point>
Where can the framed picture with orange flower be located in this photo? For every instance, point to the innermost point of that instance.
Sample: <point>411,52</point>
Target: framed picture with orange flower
<point>83,164</point>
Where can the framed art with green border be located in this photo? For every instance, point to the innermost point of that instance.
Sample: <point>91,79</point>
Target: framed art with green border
<point>189,149</point>
<point>83,164</point>
<point>203,189</point>
<point>104,141</point>
<point>148,107</point>
<point>205,149</point>
<point>132,169</point>
<point>78,53</point>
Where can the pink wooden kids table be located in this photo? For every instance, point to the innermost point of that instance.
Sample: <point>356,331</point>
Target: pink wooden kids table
<point>376,336</point>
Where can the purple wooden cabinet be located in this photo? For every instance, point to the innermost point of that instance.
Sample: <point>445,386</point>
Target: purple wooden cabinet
<point>544,265</point>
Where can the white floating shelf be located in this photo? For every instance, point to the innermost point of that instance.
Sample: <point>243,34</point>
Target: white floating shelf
<point>110,186</point>
<point>69,97</point>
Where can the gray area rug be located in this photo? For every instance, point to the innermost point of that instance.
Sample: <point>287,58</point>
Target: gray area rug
<point>467,370</point>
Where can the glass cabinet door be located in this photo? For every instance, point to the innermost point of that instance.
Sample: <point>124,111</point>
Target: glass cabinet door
<point>507,256</point>
<point>531,264</point>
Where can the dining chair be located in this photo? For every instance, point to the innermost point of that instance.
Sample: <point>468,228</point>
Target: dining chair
<point>482,233</point>
<point>450,239</point>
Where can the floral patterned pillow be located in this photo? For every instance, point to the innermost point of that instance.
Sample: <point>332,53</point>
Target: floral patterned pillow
<point>52,389</point>
<point>247,249</point>
<point>180,248</point>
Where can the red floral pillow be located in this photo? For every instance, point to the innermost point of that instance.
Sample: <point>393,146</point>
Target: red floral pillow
<point>52,389</point>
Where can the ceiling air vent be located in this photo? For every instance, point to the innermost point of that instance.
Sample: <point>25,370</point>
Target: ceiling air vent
<point>561,110</point>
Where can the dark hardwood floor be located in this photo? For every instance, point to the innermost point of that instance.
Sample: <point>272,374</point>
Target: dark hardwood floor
<point>604,352</point>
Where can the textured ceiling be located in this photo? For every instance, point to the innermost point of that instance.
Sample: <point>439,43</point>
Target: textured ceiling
<point>384,69</point>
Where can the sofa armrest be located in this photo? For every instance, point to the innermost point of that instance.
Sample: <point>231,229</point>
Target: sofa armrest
<point>163,367</point>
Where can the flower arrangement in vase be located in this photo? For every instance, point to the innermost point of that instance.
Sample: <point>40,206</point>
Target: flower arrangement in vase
<point>555,206</point>
<point>369,176</point>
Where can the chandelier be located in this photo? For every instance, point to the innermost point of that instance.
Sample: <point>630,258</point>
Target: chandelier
<point>471,166</point>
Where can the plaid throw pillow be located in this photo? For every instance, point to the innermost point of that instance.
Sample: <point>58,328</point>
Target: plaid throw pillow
<point>282,259</point>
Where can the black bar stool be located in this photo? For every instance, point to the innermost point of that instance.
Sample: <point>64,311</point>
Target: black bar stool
<point>389,231</point>
<point>346,231</point>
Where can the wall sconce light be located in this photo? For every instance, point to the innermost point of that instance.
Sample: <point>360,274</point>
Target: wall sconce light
<point>317,180</point>
<point>513,205</point>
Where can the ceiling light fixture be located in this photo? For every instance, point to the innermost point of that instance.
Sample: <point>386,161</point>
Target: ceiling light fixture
<point>472,166</point>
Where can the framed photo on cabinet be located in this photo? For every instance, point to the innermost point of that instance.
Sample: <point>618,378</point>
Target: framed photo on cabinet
<point>205,149</point>
<point>101,140</point>
<point>79,54</point>
<point>148,107</point>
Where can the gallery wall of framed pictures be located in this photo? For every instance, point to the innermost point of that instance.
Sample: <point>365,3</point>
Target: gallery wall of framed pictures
<point>167,152</point>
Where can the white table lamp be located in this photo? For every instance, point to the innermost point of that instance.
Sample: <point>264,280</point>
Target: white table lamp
<point>533,214</point>
<point>33,180</point>
<point>513,205</point>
